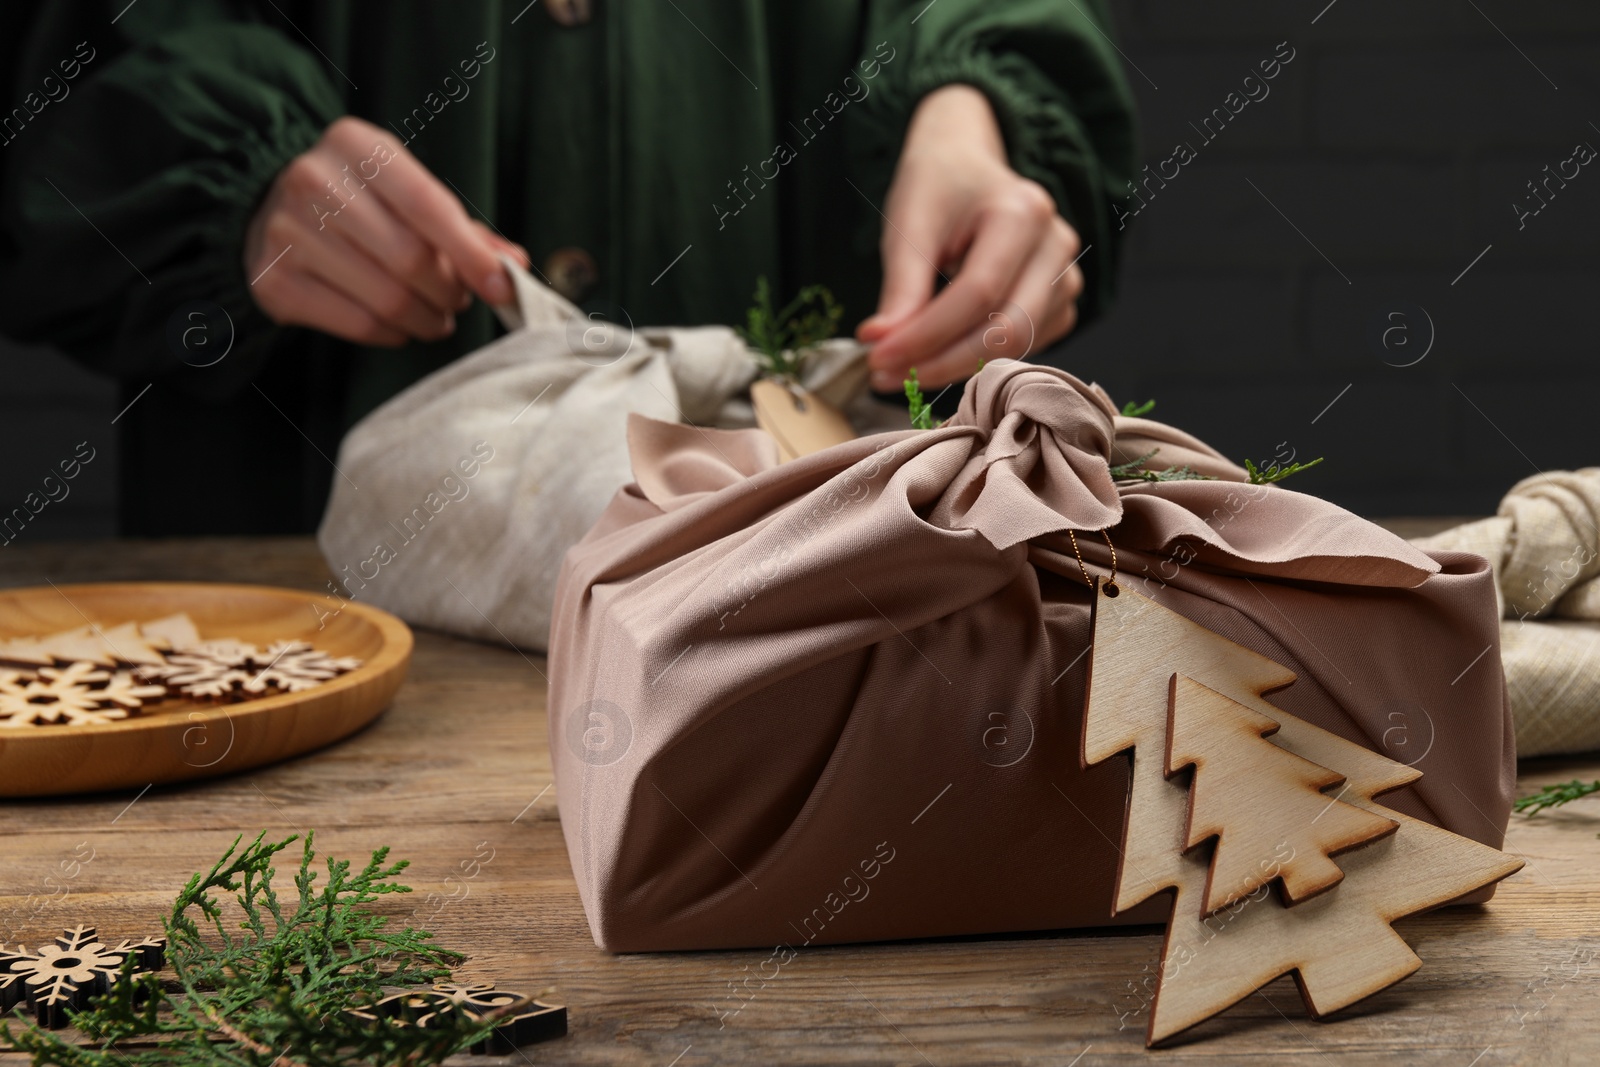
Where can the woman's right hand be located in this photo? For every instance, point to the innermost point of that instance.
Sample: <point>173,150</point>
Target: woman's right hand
<point>356,238</point>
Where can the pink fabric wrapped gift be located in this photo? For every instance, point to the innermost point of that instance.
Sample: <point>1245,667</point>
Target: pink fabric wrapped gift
<point>840,699</point>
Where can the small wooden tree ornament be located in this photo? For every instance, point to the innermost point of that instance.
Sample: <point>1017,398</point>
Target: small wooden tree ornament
<point>171,631</point>
<point>1238,774</point>
<point>124,644</point>
<point>1338,943</point>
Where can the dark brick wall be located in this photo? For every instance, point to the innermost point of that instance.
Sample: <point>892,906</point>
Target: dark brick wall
<point>49,407</point>
<point>1395,142</point>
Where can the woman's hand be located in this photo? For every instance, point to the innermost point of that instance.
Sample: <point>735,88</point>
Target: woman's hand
<point>357,239</point>
<point>955,205</point>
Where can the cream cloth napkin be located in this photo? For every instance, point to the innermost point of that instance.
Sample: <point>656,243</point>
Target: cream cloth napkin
<point>1544,547</point>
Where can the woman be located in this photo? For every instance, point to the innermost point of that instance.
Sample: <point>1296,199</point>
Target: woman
<point>276,214</point>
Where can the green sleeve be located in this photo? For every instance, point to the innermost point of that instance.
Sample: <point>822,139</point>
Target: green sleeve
<point>127,198</point>
<point>1055,81</point>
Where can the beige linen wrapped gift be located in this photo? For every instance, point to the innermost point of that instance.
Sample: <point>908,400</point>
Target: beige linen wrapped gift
<point>456,500</point>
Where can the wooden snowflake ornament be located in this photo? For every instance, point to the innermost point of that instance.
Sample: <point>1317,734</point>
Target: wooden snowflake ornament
<point>63,976</point>
<point>194,674</point>
<point>227,669</point>
<point>74,695</point>
<point>294,666</point>
<point>521,1020</point>
<point>1272,800</point>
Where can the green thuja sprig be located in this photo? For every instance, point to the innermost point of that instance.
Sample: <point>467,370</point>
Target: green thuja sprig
<point>1133,409</point>
<point>782,339</point>
<point>1553,796</point>
<point>1274,473</point>
<point>261,980</point>
<point>920,410</point>
<point>1136,470</point>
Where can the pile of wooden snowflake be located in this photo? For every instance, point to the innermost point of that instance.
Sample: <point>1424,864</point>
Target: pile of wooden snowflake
<point>95,675</point>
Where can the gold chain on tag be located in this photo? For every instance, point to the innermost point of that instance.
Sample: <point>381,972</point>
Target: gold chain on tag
<point>1111,582</point>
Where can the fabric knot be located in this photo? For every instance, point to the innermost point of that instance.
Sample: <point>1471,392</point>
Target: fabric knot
<point>1554,543</point>
<point>1040,463</point>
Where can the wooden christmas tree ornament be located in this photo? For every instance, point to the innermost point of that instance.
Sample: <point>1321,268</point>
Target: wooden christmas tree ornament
<point>1229,797</point>
<point>1239,774</point>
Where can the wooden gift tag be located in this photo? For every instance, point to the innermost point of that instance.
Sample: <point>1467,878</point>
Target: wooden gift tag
<point>801,422</point>
<point>1231,796</point>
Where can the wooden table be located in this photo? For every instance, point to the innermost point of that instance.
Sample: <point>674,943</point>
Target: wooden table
<point>460,761</point>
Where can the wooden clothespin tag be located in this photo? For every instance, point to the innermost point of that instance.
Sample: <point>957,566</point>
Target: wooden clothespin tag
<point>801,422</point>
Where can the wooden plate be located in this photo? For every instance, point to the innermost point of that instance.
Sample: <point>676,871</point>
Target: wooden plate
<point>184,741</point>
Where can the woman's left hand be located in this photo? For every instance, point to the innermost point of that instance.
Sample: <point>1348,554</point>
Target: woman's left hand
<point>956,205</point>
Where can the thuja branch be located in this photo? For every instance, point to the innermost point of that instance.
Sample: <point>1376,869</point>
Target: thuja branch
<point>265,981</point>
<point>1273,472</point>
<point>917,406</point>
<point>781,339</point>
<point>1553,796</point>
<point>1266,475</point>
<point>1136,469</point>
